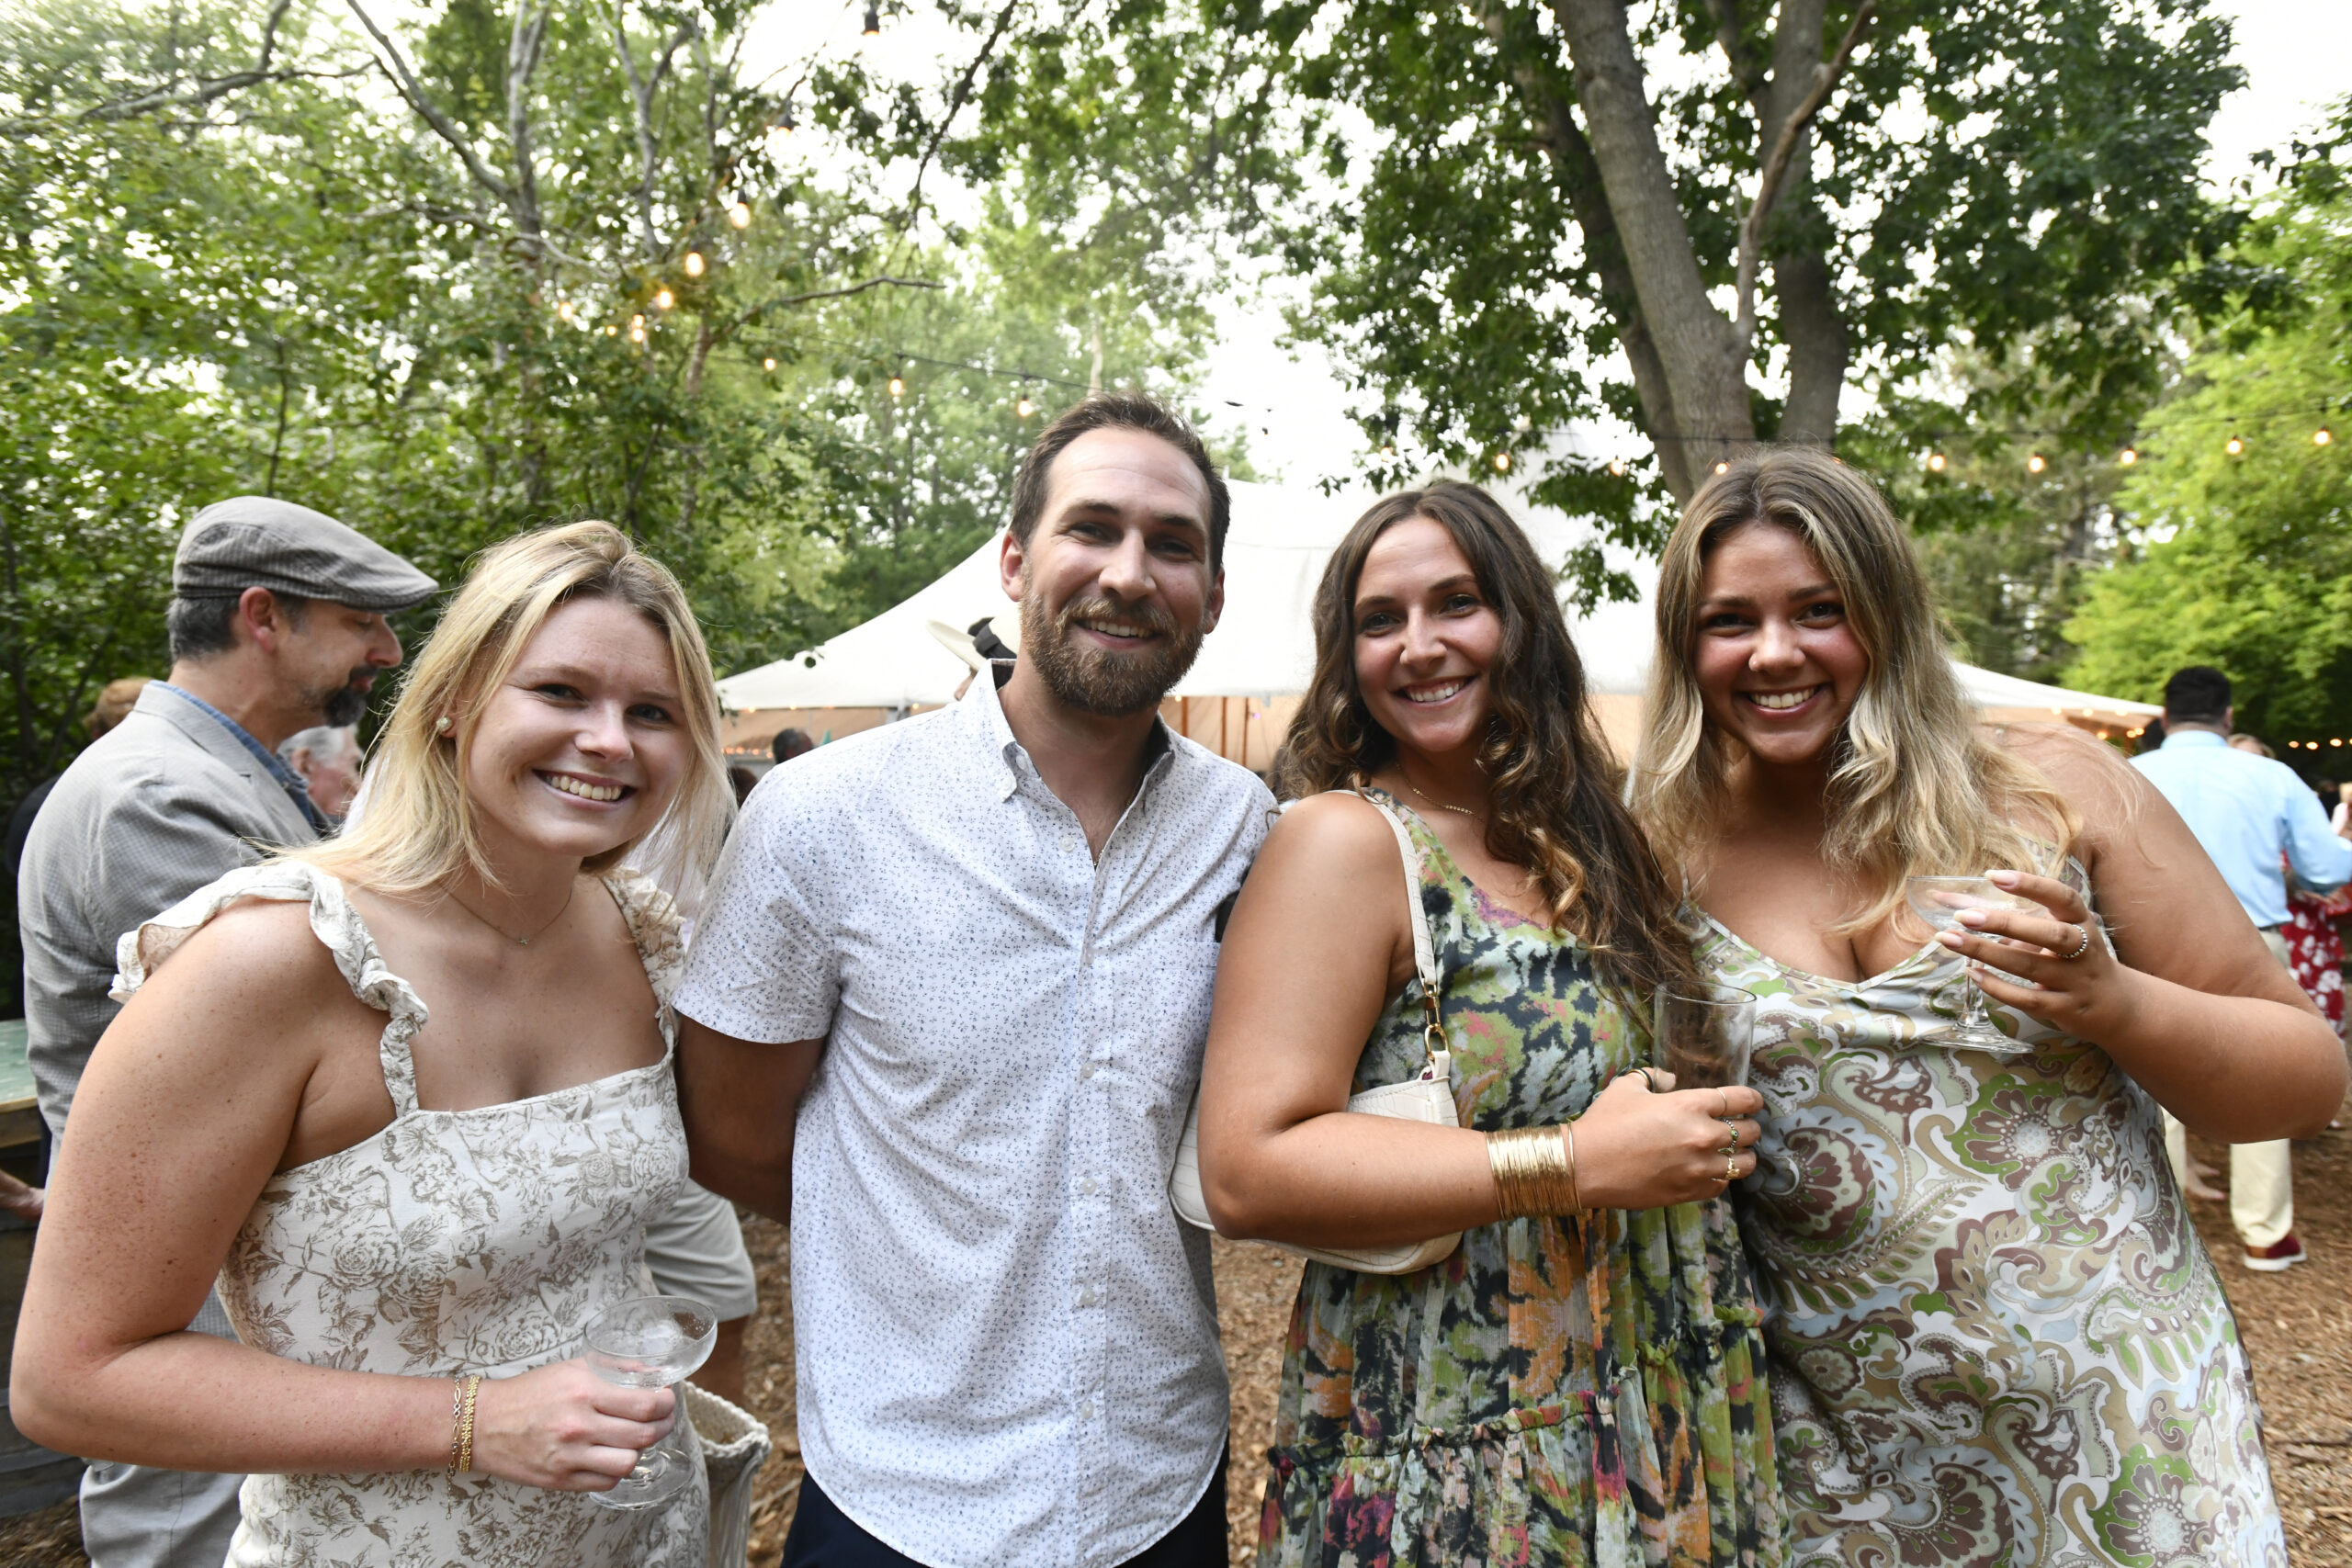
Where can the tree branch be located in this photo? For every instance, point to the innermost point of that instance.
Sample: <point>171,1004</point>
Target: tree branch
<point>522,63</point>
<point>641,92</point>
<point>204,90</point>
<point>1775,168</point>
<point>956,102</point>
<point>852,288</point>
<point>405,83</point>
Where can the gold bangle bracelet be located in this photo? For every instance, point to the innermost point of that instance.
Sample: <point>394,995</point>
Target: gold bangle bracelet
<point>1533,1172</point>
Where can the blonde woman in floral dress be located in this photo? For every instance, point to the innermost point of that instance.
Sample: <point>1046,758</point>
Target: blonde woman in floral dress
<point>1574,1385</point>
<point>408,1095</point>
<point>1995,1338</point>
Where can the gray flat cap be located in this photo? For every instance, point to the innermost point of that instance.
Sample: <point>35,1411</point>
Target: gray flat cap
<point>252,541</point>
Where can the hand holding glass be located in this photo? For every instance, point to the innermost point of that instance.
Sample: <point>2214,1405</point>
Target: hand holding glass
<point>1704,1035</point>
<point>651,1342</point>
<point>1940,901</point>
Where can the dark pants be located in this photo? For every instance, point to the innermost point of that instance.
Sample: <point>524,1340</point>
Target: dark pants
<point>823,1536</point>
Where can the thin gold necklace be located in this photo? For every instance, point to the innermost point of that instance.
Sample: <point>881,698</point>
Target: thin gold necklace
<point>1460,810</point>
<point>517,941</point>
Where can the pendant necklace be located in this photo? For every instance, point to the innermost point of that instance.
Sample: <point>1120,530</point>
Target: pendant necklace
<point>518,941</point>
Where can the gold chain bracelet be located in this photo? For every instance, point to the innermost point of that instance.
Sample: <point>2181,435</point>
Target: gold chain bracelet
<point>461,1421</point>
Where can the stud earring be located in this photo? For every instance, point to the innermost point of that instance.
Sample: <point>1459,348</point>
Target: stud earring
<point>443,724</point>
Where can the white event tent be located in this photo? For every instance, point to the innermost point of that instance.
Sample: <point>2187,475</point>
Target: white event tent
<point>1253,666</point>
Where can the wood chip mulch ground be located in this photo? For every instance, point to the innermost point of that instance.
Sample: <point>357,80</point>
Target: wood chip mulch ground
<point>2296,1326</point>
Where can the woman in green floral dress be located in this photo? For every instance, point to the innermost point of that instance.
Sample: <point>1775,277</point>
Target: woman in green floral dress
<point>1995,1338</point>
<point>1579,1382</point>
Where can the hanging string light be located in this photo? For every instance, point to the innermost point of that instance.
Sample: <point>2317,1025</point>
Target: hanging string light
<point>2128,456</point>
<point>1723,468</point>
<point>873,20</point>
<point>1502,462</point>
<point>1935,462</point>
<point>1388,449</point>
<point>2035,463</point>
<point>694,264</point>
<point>897,386</point>
<point>2234,447</point>
<point>612,331</point>
<point>662,300</point>
<point>1023,408</point>
<point>768,364</point>
<point>636,329</point>
<point>785,122</point>
<point>739,214</point>
<point>1617,467</point>
<point>2321,437</point>
<point>563,310</point>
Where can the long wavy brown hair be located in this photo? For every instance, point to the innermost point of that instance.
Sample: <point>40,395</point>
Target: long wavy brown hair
<point>1553,806</point>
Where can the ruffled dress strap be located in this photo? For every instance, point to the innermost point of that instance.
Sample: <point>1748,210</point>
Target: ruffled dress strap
<point>658,927</point>
<point>334,920</point>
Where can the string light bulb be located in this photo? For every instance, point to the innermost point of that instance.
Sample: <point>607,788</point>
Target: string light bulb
<point>694,264</point>
<point>2321,436</point>
<point>1935,462</point>
<point>663,300</point>
<point>1388,449</point>
<point>1023,408</point>
<point>897,386</point>
<point>2128,456</point>
<point>739,214</point>
<point>563,310</point>
<point>636,329</point>
<point>611,331</point>
<point>769,363</point>
<point>1617,467</point>
<point>787,123</point>
<point>1723,468</point>
<point>873,20</point>
<point>2035,463</point>
<point>1502,462</point>
<point>2234,447</point>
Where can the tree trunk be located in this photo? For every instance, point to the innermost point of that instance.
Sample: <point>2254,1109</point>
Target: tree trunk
<point>1809,321</point>
<point>1704,369</point>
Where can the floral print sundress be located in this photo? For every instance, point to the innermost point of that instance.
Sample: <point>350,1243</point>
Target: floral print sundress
<point>450,1242</point>
<point>1995,1338</point>
<point>1557,1392</point>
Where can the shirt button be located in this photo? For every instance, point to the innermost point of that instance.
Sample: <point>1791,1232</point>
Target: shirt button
<point>1086,1410</point>
<point>1086,1298</point>
<point>1086,1187</point>
<point>1087,1071</point>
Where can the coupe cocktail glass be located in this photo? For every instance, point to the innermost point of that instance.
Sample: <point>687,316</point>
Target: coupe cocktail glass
<point>651,1342</point>
<point>1940,901</point>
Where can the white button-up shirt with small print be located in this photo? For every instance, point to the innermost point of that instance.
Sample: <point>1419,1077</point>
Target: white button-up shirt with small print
<point>1006,1341</point>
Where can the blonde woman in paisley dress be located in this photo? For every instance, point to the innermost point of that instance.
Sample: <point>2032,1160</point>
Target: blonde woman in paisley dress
<point>408,1094</point>
<point>1574,1385</point>
<point>1995,1338</point>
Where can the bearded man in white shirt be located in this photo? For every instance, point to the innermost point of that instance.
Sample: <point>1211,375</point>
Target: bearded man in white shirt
<point>944,1017</point>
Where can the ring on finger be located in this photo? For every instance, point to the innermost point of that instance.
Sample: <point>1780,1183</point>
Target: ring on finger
<point>1723,1104</point>
<point>2081,948</point>
<point>1731,1168</point>
<point>1732,1127</point>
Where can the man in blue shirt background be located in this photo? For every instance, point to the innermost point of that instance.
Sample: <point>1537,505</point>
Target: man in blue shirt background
<point>2254,817</point>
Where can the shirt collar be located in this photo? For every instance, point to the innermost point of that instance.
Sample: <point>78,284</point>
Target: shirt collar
<point>984,705</point>
<point>286,778</point>
<point>2187,739</point>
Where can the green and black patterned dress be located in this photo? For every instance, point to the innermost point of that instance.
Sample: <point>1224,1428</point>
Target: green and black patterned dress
<point>1555,1391</point>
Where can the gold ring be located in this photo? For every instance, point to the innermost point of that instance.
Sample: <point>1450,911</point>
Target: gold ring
<point>1723,1104</point>
<point>1731,1168</point>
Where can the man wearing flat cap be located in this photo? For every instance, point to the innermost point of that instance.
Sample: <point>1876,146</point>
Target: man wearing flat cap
<point>276,624</point>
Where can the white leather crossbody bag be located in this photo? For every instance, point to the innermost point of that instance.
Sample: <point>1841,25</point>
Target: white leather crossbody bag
<point>1426,1097</point>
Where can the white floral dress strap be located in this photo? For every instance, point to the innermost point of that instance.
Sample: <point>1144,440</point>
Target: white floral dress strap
<point>333,921</point>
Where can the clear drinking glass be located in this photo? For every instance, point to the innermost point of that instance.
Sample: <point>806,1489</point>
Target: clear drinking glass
<point>651,1342</point>
<point>1704,1037</point>
<point>1939,901</point>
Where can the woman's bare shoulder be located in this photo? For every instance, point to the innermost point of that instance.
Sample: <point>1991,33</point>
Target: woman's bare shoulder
<point>262,947</point>
<point>2098,781</point>
<point>1338,832</point>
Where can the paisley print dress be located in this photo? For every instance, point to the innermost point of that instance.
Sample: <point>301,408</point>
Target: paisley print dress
<point>1995,1338</point>
<point>451,1241</point>
<point>1556,1392</point>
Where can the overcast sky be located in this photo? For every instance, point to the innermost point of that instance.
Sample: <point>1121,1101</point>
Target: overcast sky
<point>2297,54</point>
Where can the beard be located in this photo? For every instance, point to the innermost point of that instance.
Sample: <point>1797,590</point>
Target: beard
<point>1099,681</point>
<point>341,705</point>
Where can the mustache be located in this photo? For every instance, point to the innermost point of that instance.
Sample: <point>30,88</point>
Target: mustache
<point>1150,618</point>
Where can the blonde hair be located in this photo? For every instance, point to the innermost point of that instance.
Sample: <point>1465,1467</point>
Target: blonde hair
<point>1914,788</point>
<point>418,827</point>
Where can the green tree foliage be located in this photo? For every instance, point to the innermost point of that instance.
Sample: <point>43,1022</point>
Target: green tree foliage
<point>2245,559</point>
<point>1519,217</point>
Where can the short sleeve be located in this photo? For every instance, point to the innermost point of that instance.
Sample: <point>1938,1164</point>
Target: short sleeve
<point>762,966</point>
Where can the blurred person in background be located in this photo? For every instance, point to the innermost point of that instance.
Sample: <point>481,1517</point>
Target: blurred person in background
<point>2261,826</point>
<point>790,743</point>
<point>327,756</point>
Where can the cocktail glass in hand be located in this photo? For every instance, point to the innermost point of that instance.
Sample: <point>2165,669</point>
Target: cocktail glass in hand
<point>1703,1033</point>
<point>1939,901</point>
<point>651,1342</point>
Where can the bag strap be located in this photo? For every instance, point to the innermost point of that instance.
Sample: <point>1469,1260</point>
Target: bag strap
<point>1424,949</point>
